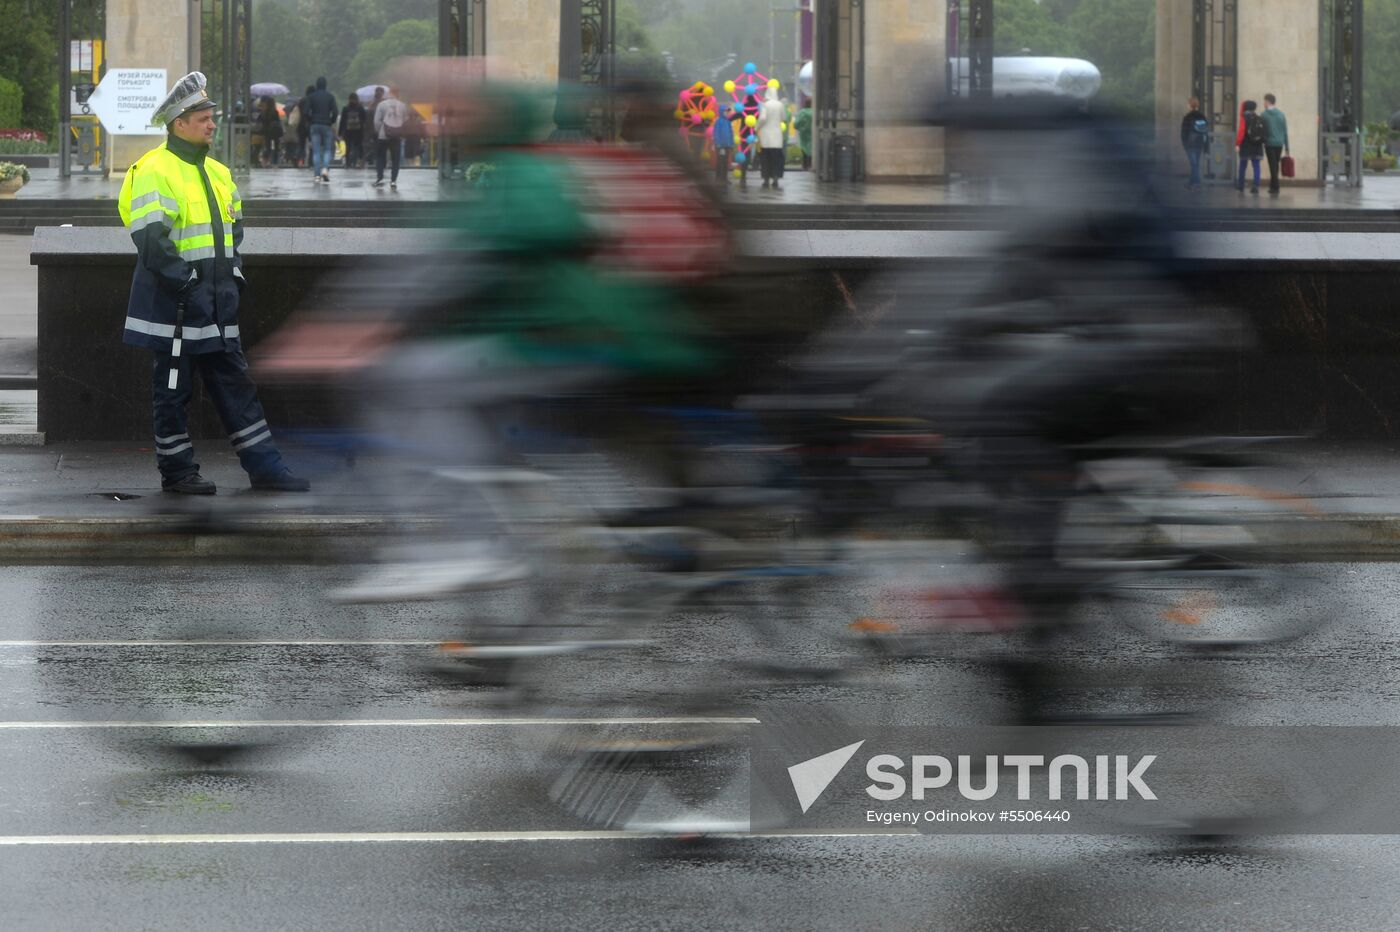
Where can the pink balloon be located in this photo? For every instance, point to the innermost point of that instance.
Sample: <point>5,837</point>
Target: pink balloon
<point>695,118</point>
<point>685,95</point>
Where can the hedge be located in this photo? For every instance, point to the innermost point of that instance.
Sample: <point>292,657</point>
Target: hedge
<point>11,104</point>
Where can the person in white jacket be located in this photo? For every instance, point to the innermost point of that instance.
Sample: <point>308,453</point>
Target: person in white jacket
<point>772,136</point>
<point>390,118</point>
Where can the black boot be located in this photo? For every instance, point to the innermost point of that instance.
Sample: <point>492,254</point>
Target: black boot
<point>283,481</point>
<point>193,484</point>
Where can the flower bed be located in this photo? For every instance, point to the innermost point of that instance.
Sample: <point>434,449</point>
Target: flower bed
<point>26,142</point>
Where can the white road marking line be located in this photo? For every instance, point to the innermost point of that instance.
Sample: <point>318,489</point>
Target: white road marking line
<point>400,837</point>
<point>377,723</point>
<point>401,642</point>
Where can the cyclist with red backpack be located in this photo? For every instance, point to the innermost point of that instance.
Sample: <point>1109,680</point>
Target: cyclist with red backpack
<point>1249,139</point>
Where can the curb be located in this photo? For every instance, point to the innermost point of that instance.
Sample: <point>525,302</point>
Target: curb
<point>28,539</point>
<point>298,538</point>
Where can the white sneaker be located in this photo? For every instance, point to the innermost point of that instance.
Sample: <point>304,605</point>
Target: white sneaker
<point>398,582</point>
<point>326,175</point>
<point>393,186</point>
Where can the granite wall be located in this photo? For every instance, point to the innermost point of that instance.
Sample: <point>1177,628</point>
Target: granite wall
<point>1328,359</point>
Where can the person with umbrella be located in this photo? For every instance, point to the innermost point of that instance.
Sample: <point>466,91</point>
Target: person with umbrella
<point>267,132</point>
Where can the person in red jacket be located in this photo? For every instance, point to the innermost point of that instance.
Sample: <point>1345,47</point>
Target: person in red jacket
<point>1249,139</point>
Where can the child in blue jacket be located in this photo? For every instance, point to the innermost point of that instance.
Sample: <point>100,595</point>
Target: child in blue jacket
<point>724,144</point>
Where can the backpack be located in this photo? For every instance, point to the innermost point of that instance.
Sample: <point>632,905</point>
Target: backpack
<point>1254,130</point>
<point>1201,128</point>
<point>294,117</point>
<point>352,120</point>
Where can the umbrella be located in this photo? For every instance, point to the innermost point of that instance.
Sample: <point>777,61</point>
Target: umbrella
<point>366,93</point>
<point>269,89</point>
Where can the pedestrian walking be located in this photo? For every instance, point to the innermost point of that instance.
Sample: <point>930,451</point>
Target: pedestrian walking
<point>1249,139</point>
<point>371,134</point>
<point>1276,141</point>
<point>303,128</point>
<point>185,215</point>
<point>1195,139</point>
<point>724,144</point>
<point>322,112</point>
<point>268,125</point>
<point>352,130</point>
<point>772,136</point>
<point>390,118</point>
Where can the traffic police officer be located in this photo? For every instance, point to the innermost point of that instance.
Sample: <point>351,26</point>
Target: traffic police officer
<point>185,216</point>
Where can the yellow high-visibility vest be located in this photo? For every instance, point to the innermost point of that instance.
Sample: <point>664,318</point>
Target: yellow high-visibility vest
<point>163,188</point>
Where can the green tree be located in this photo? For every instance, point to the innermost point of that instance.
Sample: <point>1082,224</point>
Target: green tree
<point>637,56</point>
<point>1381,82</point>
<point>408,37</point>
<point>699,40</point>
<point>27,45</point>
<point>281,40</point>
<point>1119,36</point>
<point>1027,25</point>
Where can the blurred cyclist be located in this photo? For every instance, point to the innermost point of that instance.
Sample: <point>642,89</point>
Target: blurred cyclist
<point>525,307</point>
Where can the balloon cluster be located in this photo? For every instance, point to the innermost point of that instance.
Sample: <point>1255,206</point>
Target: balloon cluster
<point>697,111</point>
<point>746,89</point>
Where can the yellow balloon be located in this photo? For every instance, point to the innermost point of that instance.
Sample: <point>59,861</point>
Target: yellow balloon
<point>750,121</point>
<point>775,84</point>
<point>729,87</point>
<point>738,173</point>
<point>783,127</point>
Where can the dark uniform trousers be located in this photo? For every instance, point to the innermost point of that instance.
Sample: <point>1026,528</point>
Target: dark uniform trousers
<point>226,380</point>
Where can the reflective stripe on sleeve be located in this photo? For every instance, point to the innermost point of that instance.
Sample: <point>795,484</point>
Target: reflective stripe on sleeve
<point>195,253</point>
<point>146,219</point>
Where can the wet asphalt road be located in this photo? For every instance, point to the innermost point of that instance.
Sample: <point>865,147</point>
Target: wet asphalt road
<point>377,751</point>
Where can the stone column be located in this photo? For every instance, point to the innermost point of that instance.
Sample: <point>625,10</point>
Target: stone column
<point>1279,55</point>
<point>522,41</point>
<point>146,34</point>
<point>1175,59</point>
<point>905,42</point>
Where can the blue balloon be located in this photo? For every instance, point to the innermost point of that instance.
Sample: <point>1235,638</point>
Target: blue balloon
<point>741,158</point>
<point>751,89</point>
<point>750,68</point>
